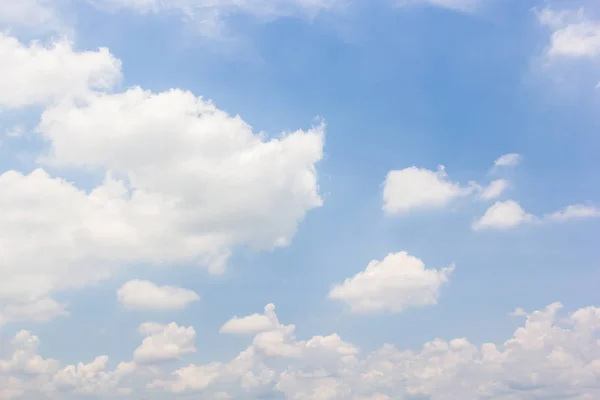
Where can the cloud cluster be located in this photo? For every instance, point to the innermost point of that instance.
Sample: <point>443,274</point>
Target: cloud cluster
<point>416,189</point>
<point>182,180</point>
<point>542,359</point>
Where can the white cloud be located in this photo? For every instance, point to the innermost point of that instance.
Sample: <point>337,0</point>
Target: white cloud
<point>184,182</point>
<point>575,211</point>
<point>164,343</point>
<point>509,214</point>
<point>252,324</point>
<point>46,377</point>
<point>144,295</point>
<point>417,188</point>
<point>495,189</point>
<point>573,34</point>
<point>468,6</point>
<point>503,215</point>
<point>397,282</point>
<point>562,350</point>
<point>508,160</point>
<point>440,370</point>
<point>36,75</point>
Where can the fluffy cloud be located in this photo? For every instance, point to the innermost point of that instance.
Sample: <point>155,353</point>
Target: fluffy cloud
<point>494,189</point>
<point>252,324</point>
<point>417,188</point>
<point>35,74</point>
<point>562,350</point>
<point>503,215</point>
<point>548,344</point>
<point>46,377</point>
<point>573,35</point>
<point>164,343</point>
<point>508,160</point>
<point>397,282</point>
<point>184,182</point>
<point>144,295</point>
<point>509,214</point>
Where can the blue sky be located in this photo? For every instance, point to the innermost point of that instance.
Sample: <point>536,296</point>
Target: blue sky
<point>137,219</point>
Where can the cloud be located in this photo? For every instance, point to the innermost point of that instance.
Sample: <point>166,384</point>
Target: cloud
<point>509,214</point>
<point>329,368</point>
<point>562,349</point>
<point>503,215</point>
<point>495,189</point>
<point>35,74</point>
<point>508,160</point>
<point>252,324</point>
<point>397,282</point>
<point>467,6</point>
<point>184,182</point>
<point>144,295</point>
<point>164,343</point>
<point>418,188</point>
<point>573,34</point>
<point>575,211</point>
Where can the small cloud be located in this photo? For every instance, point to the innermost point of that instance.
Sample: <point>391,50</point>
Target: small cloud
<point>494,189</point>
<point>503,215</point>
<point>576,211</point>
<point>145,295</point>
<point>508,160</point>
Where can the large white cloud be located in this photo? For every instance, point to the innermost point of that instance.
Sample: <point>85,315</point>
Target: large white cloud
<point>184,182</point>
<point>397,282</point>
<point>419,188</point>
<point>145,295</point>
<point>35,74</point>
<point>550,355</point>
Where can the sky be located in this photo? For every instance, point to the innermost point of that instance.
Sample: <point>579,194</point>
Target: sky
<point>299,199</point>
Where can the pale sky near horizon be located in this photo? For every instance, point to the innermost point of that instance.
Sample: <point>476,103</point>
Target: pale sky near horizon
<point>300,199</point>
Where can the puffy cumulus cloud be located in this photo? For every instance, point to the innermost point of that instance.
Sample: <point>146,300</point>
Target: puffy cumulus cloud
<point>145,295</point>
<point>25,358</point>
<point>397,282</point>
<point>184,181</point>
<point>164,343</point>
<point>508,160</point>
<point>252,324</point>
<point>467,6</point>
<point>210,16</point>
<point>35,74</point>
<point>503,215</point>
<point>563,352</point>
<point>418,188</point>
<point>509,214</point>
<point>575,211</point>
<point>26,373</point>
<point>573,35</point>
<point>550,355</point>
<point>494,189</point>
